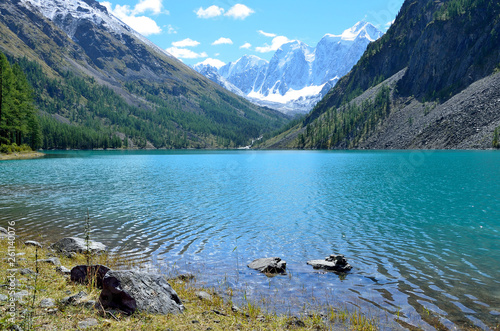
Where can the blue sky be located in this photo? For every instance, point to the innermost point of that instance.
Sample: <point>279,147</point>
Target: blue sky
<point>196,30</point>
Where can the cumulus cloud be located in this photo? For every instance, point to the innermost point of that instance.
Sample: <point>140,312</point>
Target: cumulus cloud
<point>246,46</point>
<point>142,24</point>
<point>239,12</point>
<point>275,44</point>
<point>188,42</point>
<point>155,6</point>
<point>222,41</point>
<point>210,12</point>
<point>271,35</point>
<point>184,53</point>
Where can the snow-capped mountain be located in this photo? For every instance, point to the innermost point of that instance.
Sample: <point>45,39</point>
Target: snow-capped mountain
<point>298,75</point>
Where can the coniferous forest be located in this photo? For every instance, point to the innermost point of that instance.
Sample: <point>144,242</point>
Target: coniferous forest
<point>19,123</point>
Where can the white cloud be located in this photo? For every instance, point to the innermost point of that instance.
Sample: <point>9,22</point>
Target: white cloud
<point>142,24</point>
<point>213,62</point>
<point>171,29</point>
<point>154,6</point>
<point>271,35</point>
<point>184,53</point>
<point>275,44</point>
<point>210,12</point>
<point>239,11</point>
<point>222,41</point>
<point>246,46</point>
<point>188,42</point>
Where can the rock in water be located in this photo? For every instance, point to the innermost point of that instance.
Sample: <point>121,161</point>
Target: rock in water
<point>89,273</point>
<point>269,265</point>
<point>78,245</point>
<point>333,262</point>
<point>133,290</point>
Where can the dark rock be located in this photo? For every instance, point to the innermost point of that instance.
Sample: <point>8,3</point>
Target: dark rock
<point>3,230</point>
<point>295,322</point>
<point>74,299</point>
<point>333,262</point>
<point>33,243</point>
<point>270,265</point>
<point>78,245</point>
<point>84,274</point>
<point>87,323</point>
<point>235,308</point>
<point>47,303</point>
<point>54,260</point>
<point>131,290</point>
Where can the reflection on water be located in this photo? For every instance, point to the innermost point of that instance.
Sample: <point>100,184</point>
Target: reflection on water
<point>420,228</point>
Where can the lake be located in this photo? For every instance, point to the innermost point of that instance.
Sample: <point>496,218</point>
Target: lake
<point>420,228</point>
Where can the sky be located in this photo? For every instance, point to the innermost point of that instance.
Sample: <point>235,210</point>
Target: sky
<point>222,31</point>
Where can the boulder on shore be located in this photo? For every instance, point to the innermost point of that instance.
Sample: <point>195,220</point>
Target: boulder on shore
<point>337,263</point>
<point>129,291</point>
<point>78,245</point>
<point>269,265</point>
<point>89,273</point>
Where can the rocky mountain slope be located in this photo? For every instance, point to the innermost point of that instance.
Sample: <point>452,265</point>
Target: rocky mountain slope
<point>430,82</point>
<point>148,96</point>
<point>297,76</point>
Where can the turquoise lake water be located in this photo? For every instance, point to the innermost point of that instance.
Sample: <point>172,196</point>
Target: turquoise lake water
<point>420,228</point>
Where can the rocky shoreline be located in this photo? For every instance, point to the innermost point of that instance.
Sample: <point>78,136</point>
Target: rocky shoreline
<point>88,293</point>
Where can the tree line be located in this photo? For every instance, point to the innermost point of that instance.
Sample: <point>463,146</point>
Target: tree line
<point>19,122</point>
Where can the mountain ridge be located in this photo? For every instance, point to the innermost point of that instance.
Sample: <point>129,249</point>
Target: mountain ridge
<point>164,103</point>
<point>432,54</point>
<point>298,75</point>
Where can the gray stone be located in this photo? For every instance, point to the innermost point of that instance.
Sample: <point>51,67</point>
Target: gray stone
<point>74,299</point>
<point>47,303</point>
<point>203,295</point>
<point>87,323</point>
<point>89,273</point>
<point>53,260</point>
<point>26,271</point>
<point>16,327</point>
<point>132,290</point>
<point>33,243</point>
<point>63,270</point>
<point>3,297</point>
<point>270,265</point>
<point>336,263</point>
<point>78,245</point>
<point>20,295</point>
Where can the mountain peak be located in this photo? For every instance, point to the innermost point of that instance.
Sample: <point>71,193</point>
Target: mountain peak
<point>362,29</point>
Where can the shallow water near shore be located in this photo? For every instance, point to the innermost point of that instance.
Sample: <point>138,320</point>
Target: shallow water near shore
<point>420,228</point>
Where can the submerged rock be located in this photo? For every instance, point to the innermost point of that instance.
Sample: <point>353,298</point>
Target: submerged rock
<point>270,265</point>
<point>129,291</point>
<point>333,262</point>
<point>78,245</point>
<point>89,273</point>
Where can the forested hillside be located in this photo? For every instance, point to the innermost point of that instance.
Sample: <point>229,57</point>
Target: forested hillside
<point>104,86</point>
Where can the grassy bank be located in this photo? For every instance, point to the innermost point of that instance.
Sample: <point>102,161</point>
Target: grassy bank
<point>20,156</point>
<point>214,314</point>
